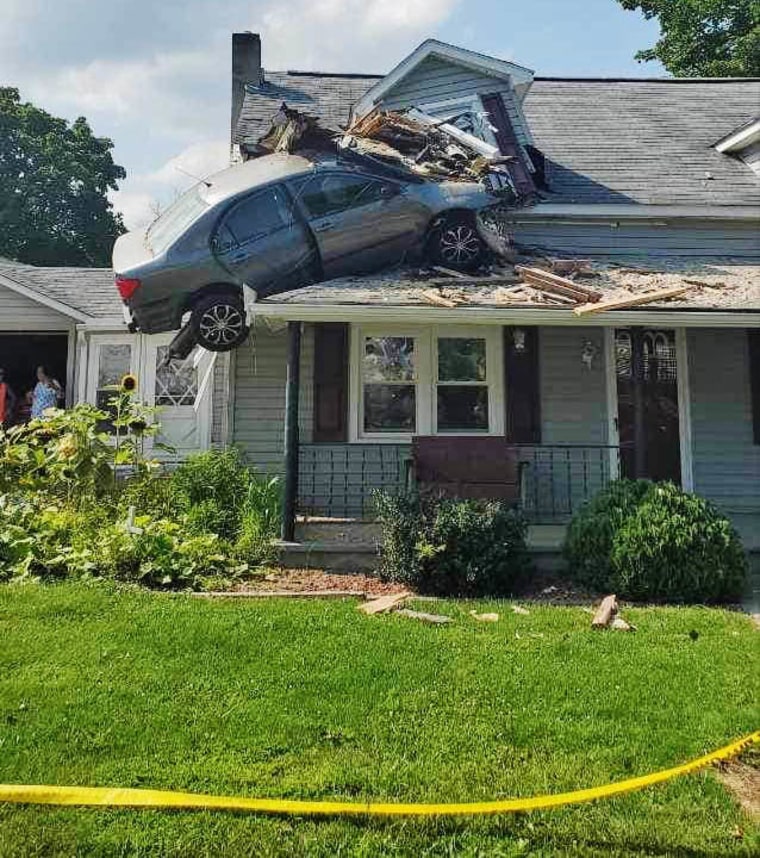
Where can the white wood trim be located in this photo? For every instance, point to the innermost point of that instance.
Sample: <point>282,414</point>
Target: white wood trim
<point>460,56</point>
<point>610,366</point>
<point>684,410</point>
<point>606,212</point>
<point>415,314</point>
<point>71,369</point>
<point>738,140</point>
<point>45,300</point>
<point>426,365</point>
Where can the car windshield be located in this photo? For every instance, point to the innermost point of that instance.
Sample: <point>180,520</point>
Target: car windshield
<point>171,223</point>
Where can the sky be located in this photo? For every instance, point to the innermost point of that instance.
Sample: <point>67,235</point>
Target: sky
<point>154,75</point>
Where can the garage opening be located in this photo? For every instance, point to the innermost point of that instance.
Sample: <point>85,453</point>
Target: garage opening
<point>21,354</point>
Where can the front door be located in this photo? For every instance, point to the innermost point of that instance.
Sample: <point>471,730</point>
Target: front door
<point>647,388</point>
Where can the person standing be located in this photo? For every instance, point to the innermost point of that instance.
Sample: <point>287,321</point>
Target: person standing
<point>47,393</point>
<point>7,401</point>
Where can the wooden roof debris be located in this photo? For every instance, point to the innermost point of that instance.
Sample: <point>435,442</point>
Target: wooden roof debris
<point>553,283</point>
<point>631,300</point>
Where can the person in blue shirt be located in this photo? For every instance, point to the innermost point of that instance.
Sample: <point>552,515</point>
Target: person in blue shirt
<point>47,393</point>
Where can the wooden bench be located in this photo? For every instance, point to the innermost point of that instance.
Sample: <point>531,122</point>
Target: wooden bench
<point>484,468</point>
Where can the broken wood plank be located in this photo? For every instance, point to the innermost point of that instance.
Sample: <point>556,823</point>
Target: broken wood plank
<point>450,272</point>
<point>605,612</point>
<point>554,283</point>
<point>384,603</point>
<point>620,625</point>
<point>485,618</point>
<point>437,619</point>
<point>518,609</point>
<point>437,299</point>
<point>631,300</point>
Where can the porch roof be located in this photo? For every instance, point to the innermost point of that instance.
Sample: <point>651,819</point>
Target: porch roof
<point>720,286</point>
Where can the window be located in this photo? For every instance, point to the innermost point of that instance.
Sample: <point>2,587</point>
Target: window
<point>256,217</point>
<point>462,385</point>
<point>389,384</point>
<point>114,362</point>
<point>176,382</point>
<point>170,224</point>
<point>426,381</point>
<point>335,192</point>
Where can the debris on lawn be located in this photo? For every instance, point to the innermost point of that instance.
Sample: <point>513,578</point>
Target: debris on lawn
<point>518,609</point>
<point>436,619</point>
<point>384,603</point>
<point>485,618</point>
<point>606,616</point>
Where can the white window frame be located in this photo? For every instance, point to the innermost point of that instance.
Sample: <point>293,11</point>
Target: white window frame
<point>97,342</point>
<point>426,361</point>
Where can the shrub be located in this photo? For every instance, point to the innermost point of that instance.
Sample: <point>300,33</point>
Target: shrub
<point>451,547</point>
<point>654,541</point>
<point>217,480</point>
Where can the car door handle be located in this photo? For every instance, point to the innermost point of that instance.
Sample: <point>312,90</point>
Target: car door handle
<point>324,226</point>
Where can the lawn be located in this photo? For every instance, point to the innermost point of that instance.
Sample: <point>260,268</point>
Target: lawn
<point>311,699</point>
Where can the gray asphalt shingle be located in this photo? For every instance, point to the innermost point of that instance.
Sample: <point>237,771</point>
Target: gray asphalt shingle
<point>608,141</point>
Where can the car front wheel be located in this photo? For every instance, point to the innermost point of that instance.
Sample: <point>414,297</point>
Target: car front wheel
<point>219,322</point>
<point>457,244</point>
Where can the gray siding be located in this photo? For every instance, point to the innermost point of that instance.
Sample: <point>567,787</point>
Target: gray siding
<point>740,239</point>
<point>259,408</point>
<point>436,80</point>
<point>726,462</point>
<point>19,313</point>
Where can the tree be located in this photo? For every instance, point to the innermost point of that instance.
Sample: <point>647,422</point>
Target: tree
<point>54,181</point>
<point>704,38</point>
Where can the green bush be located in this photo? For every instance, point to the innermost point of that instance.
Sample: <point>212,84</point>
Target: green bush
<point>646,540</point>
<point>449,547</point>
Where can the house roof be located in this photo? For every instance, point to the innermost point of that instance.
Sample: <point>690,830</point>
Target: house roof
<point>609,141</point>
<point>88,292</point>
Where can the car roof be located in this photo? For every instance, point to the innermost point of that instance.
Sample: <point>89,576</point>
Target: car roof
<point>258,171</point>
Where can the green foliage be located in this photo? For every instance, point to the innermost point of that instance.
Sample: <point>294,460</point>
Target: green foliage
<point>54,184</point>
<point>646,540</point>
<point>451,546</point>
<point>704,38</point>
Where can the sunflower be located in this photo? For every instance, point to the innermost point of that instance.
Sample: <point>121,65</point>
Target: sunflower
<point>128,383</point>
<point>138,425</point>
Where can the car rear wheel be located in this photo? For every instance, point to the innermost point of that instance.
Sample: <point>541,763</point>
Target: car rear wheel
<point>457,244</point>
<point>219,322</point>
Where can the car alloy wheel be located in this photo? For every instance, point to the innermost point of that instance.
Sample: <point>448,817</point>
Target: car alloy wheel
<point>221,325</point>
<point>460,244</point>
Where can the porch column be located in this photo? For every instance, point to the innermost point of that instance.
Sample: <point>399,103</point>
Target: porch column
<point>639,426</point>
<point>292,389</point>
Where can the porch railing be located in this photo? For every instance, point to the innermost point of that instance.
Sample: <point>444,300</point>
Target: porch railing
<point>338,480</point>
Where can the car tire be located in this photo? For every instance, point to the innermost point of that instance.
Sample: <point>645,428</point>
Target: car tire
<point>218,321</point>
<point>456,243</point>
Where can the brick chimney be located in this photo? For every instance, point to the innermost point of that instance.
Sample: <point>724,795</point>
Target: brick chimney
<point>246,68</point>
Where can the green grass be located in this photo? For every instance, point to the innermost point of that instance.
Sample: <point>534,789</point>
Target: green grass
<point>297,699</point>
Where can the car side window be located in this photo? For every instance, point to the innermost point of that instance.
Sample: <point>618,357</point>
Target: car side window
<point>336,192</point>
<point>256,217</point>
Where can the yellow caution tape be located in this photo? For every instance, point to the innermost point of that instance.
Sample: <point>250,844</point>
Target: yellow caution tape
<point>106,797</point>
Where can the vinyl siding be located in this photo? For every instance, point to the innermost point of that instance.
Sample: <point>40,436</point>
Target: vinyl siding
<point>726,463</point>
<point>740,239</point>
<point>19,313</point>
<point>436,80</point>
<point>258,423</point>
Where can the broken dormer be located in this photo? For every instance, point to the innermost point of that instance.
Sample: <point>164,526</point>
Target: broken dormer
<point>743,143</point>
<point>480,95</point>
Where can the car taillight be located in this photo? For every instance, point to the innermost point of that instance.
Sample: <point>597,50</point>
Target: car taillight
<point>127,287</point>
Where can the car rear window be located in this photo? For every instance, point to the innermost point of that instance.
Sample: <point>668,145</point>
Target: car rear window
<point>171,223</point>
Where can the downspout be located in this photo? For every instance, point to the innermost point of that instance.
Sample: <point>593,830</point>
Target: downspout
<point>292,391</point>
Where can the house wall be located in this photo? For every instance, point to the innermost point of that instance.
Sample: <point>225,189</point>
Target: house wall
<point>726,462</point>
<point>19,313</point>
<point>436,80</point>
<point>740,239</point>
<point>573,407</point>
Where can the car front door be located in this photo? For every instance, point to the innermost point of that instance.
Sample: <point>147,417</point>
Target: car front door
<point>361,223</point>
<point>264,243</point>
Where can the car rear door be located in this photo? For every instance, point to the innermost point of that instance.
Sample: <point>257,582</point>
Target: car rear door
<point>264,243</point>
<point>361,223</point>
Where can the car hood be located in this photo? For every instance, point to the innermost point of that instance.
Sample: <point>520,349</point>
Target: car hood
<point>130,251</point>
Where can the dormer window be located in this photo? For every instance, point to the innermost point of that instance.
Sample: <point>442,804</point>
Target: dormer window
<point>743,143</point>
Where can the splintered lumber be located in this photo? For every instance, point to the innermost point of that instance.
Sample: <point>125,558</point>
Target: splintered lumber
<point>437,619</point>
<point>605,612</point>
<point>384,603</point>
<point>484,618</point>
<point>554,283</point>
<point>518,609</point>
<point>620,625</point>
<point>450,272</point>
<point>436,298</point>
<point>631,300</point>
